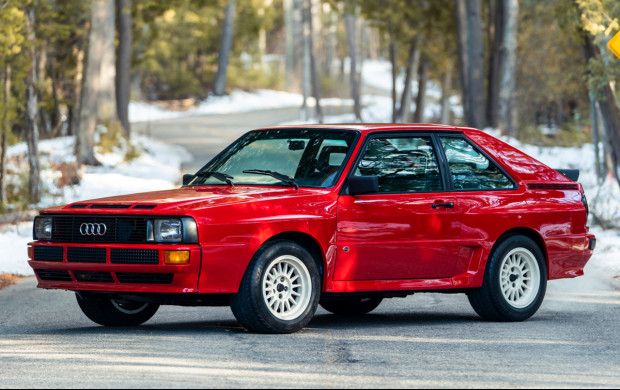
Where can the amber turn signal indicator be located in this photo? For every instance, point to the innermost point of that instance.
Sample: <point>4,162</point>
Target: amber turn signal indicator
<point>30,252</point>
<point>176,257</point>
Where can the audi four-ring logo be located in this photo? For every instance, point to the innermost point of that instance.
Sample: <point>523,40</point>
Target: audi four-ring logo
<point>93,229</point>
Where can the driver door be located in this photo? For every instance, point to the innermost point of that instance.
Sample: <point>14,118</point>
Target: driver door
<point>410,229</point>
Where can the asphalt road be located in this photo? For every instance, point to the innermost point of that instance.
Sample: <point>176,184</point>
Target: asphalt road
<point>427,340</point>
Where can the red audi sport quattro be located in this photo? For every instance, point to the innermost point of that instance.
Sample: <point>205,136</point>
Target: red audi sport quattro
<point>343,216</point>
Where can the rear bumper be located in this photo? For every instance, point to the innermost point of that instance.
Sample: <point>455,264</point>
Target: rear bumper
<point>140,269</point>
<point>568,255</point>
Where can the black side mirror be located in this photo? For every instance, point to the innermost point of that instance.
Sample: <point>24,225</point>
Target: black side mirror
<point>360,185</point>
<point>187,178</point>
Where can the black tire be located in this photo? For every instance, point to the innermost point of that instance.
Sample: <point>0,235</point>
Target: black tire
<point>250,305</point>
<point>491,302</point>
<point>106,311</point>
<point>351,306</point>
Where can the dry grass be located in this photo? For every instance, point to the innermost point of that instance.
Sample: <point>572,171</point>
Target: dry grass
<point>8,280</point>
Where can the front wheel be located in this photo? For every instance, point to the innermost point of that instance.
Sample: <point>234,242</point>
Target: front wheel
<point>515,282</point>
<point>280,290</point>
<point>108,311</point>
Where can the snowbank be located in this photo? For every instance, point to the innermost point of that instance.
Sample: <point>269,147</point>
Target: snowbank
<point>237,101</point>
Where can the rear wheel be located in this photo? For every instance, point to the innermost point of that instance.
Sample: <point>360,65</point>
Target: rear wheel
<point>280,290</point>
<point>515,282</point>
<point>107,311</point>
<point>351,306</point>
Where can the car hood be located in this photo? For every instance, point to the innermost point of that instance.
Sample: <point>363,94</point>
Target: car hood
<point>182,200</point>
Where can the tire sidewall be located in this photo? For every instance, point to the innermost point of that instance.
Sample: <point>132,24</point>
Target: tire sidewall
<point>494,270</point>
<point>257,272</point>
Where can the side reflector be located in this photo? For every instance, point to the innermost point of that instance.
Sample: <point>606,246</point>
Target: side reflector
<point>176,257</point>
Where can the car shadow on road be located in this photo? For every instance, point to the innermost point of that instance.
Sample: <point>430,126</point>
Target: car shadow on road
<point>320,322</point>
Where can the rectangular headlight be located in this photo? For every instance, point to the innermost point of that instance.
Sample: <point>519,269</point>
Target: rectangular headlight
<point>42,229</point>
<point>168,230</point>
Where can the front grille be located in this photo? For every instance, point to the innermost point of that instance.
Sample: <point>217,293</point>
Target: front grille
<point>86,255</point>
<point>126,277</point>
<point>123,230</point>
<point>54,275</point>
<point>48,253</point>
<point>93,277</point>
<point>134,256</point>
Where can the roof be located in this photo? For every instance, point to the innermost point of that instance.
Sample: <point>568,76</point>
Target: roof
<point>366,127</point>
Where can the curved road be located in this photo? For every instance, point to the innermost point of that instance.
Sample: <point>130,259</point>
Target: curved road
<point>427,340</point>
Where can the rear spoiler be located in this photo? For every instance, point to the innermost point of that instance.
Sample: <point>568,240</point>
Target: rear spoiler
<point>572,174</point>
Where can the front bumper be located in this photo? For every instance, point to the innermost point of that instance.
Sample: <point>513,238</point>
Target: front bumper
<point>113,268</point>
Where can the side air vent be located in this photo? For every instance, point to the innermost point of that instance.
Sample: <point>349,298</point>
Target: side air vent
<point>553,187</point>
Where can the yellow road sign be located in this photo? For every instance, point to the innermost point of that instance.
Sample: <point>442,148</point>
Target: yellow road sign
<point>614,44</point>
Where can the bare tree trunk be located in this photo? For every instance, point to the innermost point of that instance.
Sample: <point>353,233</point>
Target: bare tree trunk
<point>471,55</point>
<point>76,91</point>
<point>392,50</point>
<point>595,136</point>
<point>496,23</point>
<point>123,64</point>
<point>227,37</point>
<point>446,90</point>
<point>290,43</point>
<point>355,87</point>
<point>420,106</point>
<point>508,68</point>
<point>413,64</point>
<point>107,96</point>
<point>316,87</point>
<point>330,52</point>
<point>32,129</point>
<point>306,77</point>
<point>91,87</point>
<point>6,127</point>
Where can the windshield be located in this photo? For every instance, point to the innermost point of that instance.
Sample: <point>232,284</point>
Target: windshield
<point>311,158</point>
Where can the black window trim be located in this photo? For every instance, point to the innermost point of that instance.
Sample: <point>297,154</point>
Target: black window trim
<point>439,155</point>
<point>515,185</point>
<point>349,155</point>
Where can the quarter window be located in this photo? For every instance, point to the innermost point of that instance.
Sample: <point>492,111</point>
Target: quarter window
<point>470,169</point>
<point>403,164</point>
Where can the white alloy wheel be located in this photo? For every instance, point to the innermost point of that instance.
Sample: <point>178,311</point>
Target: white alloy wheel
<point>129,308</point>
<point>519,278</point>
<point>287,287</point>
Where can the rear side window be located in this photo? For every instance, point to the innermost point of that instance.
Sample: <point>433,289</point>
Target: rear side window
<point>403,164</point>
<point>470,169</point>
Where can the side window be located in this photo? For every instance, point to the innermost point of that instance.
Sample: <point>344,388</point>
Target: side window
<point>403,164</point>
<point>470,169</point>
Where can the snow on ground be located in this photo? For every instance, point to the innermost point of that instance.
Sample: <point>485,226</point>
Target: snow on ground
<point>237,101</point>
<point>157,168</point>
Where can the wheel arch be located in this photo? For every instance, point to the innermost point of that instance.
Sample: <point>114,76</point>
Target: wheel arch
<point>529,233</point>
<point>305,240</point>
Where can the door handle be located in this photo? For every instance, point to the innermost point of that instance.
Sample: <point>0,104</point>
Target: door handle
<point>446,205</point>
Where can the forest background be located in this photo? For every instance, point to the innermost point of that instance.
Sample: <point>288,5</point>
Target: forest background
<point>538,71</point>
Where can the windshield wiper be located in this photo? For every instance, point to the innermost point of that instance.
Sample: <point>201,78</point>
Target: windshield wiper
<point>283,178</point>
<point>218,175</point>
